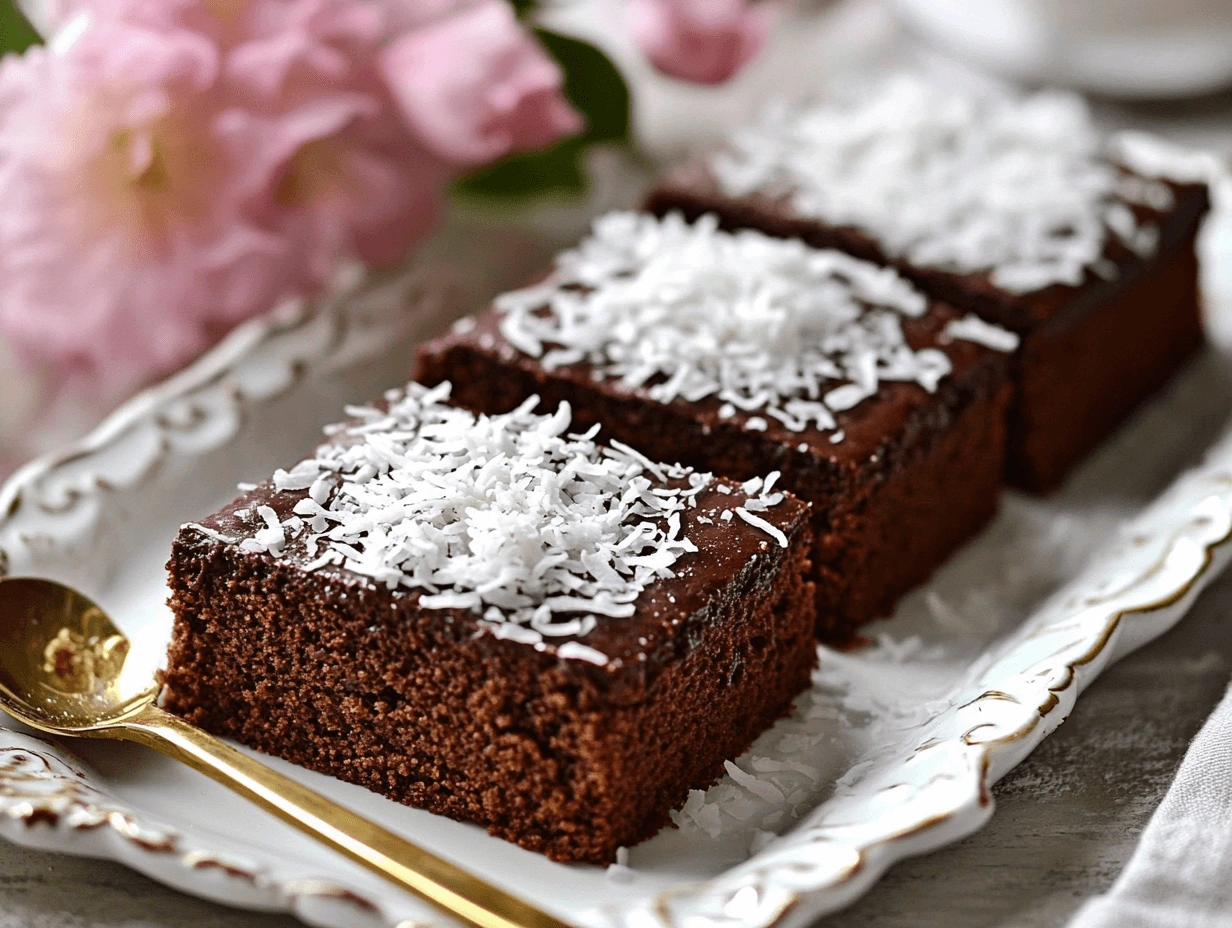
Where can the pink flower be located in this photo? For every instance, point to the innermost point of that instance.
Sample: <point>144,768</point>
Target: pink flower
<point>170,167</point>
<point>123,237</point>
<point>335,167</point>
<point>476,86</point>
<point>703,41</point>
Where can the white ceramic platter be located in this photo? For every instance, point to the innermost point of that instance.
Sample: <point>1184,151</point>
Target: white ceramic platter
<point>891,753</point>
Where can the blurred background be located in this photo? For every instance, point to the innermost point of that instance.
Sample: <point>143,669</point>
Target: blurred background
<point>1165,68</point>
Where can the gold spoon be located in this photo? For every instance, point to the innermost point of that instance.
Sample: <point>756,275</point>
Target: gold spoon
<point>62,671</point>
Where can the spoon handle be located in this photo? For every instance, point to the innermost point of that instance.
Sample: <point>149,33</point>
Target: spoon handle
<point>448,887</point>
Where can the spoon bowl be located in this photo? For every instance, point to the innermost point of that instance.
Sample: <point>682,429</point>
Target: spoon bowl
<point>64,670</point>
<point>62,661</point>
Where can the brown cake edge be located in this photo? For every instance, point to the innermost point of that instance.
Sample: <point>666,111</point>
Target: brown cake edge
<point>881,547</point>
<point>1052,428</point>
<point>1115,356</point>
<point>878,533</point>
<point>349,682</point>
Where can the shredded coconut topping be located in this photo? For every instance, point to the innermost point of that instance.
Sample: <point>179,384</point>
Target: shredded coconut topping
<point>510,516</point>
<point>1022,187</point>
<point>972,328</point>
<point>684,311</point>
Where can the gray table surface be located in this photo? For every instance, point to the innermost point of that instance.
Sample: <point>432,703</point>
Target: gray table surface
<point>1066,821</point>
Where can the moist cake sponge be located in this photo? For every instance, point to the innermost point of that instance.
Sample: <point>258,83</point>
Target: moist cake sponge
<point>1015,209</point>
<point>743,354</point>
<point>496,620</point>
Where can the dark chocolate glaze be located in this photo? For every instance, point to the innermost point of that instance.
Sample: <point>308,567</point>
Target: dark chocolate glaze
<point>693,190</point>
<point>562,757</point>
<point>669,618</point>
<point>879,434</point>
<point>914,476</point>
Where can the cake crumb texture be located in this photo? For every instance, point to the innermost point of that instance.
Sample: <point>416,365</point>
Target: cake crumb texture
<point>348,680</point>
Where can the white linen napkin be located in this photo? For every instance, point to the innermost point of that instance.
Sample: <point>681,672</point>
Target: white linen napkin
<point>1180,875</point>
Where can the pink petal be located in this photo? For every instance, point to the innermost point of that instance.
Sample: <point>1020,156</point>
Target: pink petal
<point>141,167</point>
<point>703,41</point>
<point>476,86</point>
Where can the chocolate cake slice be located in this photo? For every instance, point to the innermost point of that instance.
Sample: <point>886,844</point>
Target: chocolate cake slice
<point>742,354</point>
<point>496,620</point>
<point>1015,209</point>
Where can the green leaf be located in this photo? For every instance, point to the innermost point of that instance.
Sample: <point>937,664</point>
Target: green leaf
<point>596,88</point>
<point>16,34</point>
<point>593,84</point>
<point>556,170</point>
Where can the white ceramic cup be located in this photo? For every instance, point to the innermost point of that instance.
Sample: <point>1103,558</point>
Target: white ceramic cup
<point>1120,48</point>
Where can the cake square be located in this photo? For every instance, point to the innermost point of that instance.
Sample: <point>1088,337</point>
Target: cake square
<point>742,354</point>
<point>496,619</point>
<point>1016,209</point>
